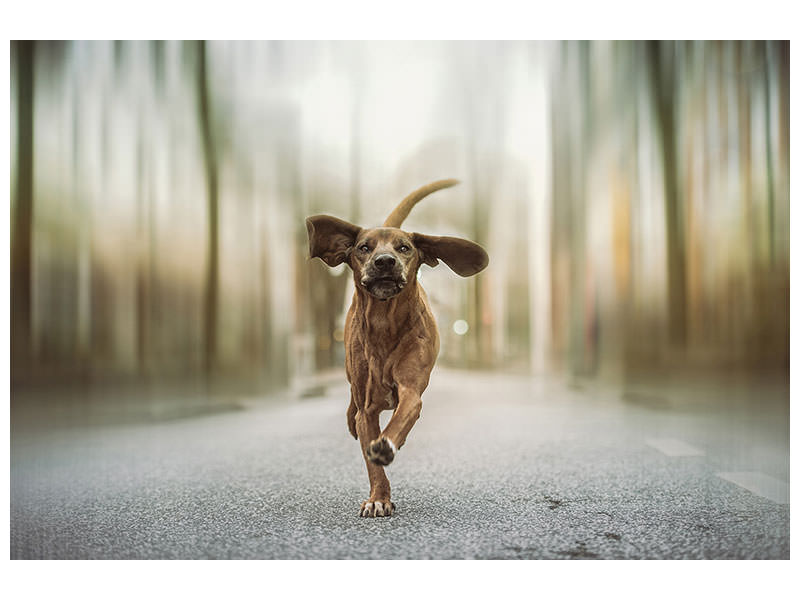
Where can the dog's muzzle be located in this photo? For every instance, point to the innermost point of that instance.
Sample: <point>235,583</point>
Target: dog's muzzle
<point>383,287</point>
<point>383,277</point>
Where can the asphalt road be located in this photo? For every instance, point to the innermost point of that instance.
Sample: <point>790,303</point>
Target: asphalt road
<point>498,467</point>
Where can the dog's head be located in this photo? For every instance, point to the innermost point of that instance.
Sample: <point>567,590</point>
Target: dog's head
<point>385,259</point>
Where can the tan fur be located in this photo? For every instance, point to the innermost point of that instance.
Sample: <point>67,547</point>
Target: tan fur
<point>391,339</point>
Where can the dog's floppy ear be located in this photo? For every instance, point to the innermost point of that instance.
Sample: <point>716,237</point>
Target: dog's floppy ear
<point>462,256</point>
<point>330,238</point>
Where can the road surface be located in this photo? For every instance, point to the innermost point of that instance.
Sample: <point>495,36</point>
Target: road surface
<point>498,467</point>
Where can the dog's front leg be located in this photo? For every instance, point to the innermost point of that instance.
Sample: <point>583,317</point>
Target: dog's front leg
<point>378,504</point>
<point>409,406</point>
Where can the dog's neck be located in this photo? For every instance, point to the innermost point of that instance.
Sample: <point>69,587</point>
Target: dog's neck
<point>387,317</point>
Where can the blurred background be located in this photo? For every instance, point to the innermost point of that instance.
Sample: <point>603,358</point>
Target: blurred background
<point>633,198</point>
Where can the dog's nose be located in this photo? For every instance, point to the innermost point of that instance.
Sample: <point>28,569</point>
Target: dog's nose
<point>385,261</point>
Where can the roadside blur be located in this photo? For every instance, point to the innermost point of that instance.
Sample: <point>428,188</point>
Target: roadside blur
<point>633,198</point>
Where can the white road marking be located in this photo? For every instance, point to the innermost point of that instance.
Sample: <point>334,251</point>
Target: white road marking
<point>760,484</point>
<point>674,447</point>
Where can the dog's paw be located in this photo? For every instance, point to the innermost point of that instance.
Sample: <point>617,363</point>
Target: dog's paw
<point>376,508</point>
<point>381,451</point>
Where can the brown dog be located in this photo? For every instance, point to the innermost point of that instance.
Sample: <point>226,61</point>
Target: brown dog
<point>390,336</point>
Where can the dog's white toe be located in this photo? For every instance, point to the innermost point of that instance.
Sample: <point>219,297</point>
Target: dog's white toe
<point>377,509</point>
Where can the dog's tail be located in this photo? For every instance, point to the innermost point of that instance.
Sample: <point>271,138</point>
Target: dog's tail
<point>400,213</point>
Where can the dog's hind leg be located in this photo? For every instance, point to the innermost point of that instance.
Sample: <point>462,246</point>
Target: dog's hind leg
<point>379,503</point>
<point>352,410</point>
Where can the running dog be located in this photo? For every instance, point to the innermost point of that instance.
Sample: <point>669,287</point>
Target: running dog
<point>390,336</point>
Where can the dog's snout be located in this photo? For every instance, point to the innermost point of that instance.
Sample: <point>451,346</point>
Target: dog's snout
<point>385,261</point>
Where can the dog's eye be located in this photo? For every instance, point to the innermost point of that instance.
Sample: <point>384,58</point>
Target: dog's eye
<point>364,248</point>
<point>403,248</point>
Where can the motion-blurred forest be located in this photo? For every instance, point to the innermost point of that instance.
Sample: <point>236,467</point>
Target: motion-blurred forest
<point>633,198</point>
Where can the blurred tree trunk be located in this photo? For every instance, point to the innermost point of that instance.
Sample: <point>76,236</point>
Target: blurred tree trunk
<point>581,360</point>
<point>744,85</point>
<point>146,288</point>
<point>560,213</point>
<point>663,81</point>
<point>783,109</point>
<point>355,143</point>
<point>22,224</point>
<point>482,354</point>
<point>142,257</point>
<point>210,303</point>
<point>84,225</point>
<point>770,169</point>
<point>782,162</point>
